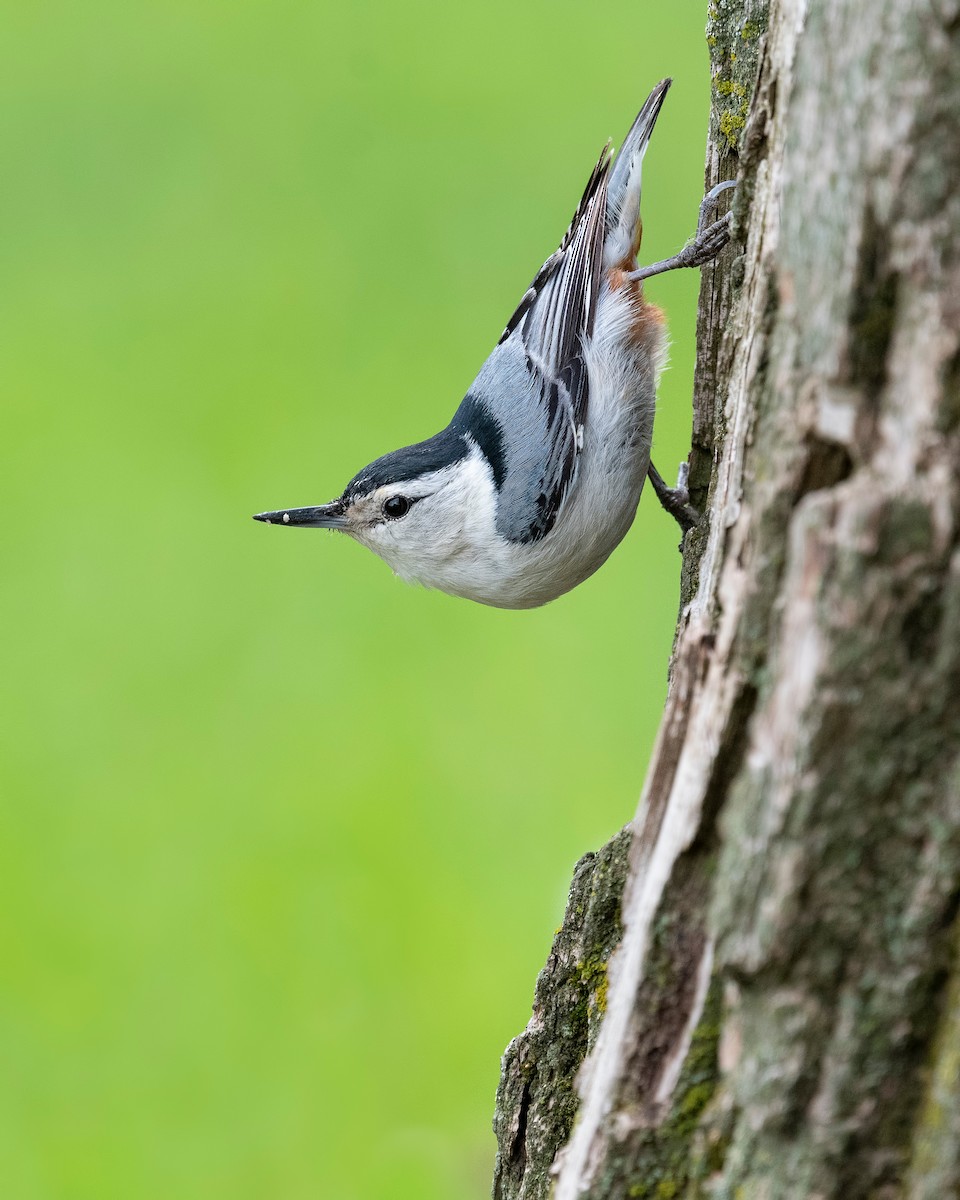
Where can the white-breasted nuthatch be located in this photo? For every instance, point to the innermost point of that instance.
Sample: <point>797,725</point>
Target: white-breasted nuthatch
<point>537,478</point>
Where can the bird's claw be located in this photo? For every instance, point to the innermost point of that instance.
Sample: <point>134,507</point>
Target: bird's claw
<point>709,240</point>
<point>676,500</point>
<point>709,202</point>
<point>707,244</point>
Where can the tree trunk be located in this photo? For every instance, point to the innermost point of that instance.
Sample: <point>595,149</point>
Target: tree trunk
<point>780,1016</point>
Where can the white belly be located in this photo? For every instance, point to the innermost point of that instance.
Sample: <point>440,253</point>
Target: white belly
<point>602,502</point>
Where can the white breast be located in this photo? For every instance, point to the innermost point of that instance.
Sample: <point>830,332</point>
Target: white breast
<point>465,556</point>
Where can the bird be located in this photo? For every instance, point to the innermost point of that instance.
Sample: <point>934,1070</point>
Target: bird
<point>537,477</point>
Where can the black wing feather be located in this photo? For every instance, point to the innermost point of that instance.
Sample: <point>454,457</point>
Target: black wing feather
<point>552,321</point>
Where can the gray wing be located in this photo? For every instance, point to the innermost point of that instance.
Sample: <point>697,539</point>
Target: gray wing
<point>534,387</point>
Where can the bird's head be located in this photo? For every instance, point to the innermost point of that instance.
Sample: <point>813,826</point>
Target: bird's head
<point>428,510</point>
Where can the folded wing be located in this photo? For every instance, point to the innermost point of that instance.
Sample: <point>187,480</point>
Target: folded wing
<point>535,386</point>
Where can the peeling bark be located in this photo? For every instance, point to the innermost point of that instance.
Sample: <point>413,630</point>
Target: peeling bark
<point>782,1012</point>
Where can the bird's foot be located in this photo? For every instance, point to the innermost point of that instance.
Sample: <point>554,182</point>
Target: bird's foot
<point>704,248</point>
<point>709,202</point>
<point>676,500</point>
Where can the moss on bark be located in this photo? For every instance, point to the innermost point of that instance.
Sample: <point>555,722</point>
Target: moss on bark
<point>536,1100</point>
<point>782,1017</point>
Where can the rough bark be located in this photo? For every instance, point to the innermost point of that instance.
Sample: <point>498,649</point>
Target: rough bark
<point>781,1014</point>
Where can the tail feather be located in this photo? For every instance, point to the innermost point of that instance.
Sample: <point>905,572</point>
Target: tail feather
<point>623,190</point>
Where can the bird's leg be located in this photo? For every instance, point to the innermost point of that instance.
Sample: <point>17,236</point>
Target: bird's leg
<point>704,248</point>
<point>675,500</point>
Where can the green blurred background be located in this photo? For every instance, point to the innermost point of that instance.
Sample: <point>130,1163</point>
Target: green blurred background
<point>284,840</point>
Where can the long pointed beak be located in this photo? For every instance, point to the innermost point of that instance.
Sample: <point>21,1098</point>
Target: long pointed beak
<point>325,516</point>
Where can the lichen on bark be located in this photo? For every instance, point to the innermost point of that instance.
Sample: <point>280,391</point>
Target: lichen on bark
<point>735,31</point>
<point>782,1012</point>
<point>536,1100</point>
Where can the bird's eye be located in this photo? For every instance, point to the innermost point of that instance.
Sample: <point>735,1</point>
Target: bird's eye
<point>395,506</point>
